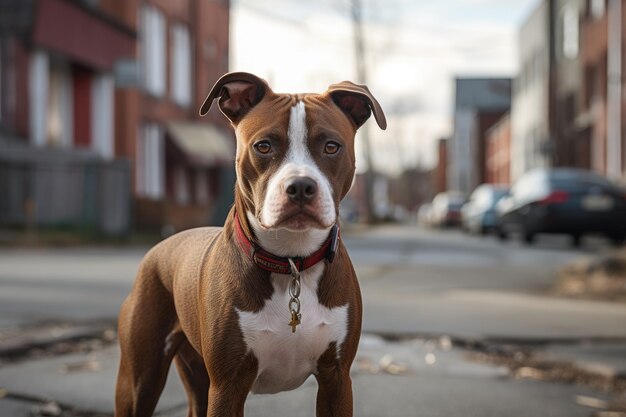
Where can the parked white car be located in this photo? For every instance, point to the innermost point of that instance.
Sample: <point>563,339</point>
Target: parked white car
<point>479,214</point>
<point>446,208</point>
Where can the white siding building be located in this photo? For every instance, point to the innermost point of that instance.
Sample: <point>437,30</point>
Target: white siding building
<point>530,135</point>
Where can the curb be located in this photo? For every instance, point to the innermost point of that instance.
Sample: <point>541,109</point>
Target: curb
<point>22,344</point>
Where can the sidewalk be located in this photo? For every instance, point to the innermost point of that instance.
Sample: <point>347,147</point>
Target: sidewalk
<point>390,379</point>
<point>485,314</point>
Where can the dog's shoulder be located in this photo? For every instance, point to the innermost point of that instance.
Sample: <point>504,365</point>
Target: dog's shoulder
<point>198,234</point>
<point>189,239</point>
<point>185,246</point>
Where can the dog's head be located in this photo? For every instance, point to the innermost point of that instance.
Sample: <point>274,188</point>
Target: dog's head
<point>295,152</point>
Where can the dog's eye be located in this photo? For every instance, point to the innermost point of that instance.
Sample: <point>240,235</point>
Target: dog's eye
<point>331,148</point>
<point>263,147</point>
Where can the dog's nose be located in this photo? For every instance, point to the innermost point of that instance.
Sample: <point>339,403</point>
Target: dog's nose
<point>301,190</point>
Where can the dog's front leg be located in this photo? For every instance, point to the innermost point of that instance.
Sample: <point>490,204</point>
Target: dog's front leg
<point>227,395</point>
<point>334,394</point>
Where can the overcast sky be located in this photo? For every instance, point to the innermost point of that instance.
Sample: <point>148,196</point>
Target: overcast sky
<point>414,50</point>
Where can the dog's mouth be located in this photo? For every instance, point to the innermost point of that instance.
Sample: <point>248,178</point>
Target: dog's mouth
<point>297,219</point>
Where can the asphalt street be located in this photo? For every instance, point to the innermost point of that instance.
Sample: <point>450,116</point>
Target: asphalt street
<point>421,290</point>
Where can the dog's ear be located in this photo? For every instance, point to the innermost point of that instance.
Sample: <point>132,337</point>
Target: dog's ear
<point>357,102</point>
<point>238,92</point>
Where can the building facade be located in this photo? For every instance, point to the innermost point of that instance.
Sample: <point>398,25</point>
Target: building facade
<point>530,117</point>
<point>183,171</point>
<point>57,74</point>
<point>58,164</point>
<point>603,104</point>
<point>440,171</point>
<point>479,104</point>
<point>568,102</point>
<point>498,154</point>
<point>571,138</point>
<point>121,80</point>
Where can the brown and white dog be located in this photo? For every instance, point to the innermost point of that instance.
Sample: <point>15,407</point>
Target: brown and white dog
<point>271,298</point>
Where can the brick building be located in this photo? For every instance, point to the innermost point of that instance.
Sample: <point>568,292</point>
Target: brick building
<point>603,50</point>
<point>498,152</point>
<point>183,163</point>
<point>122,80</point>
<point>440,171</point>
<point>57,75</point>
<point>58,163</point>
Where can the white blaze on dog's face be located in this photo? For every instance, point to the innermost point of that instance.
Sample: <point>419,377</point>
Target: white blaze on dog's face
<point>298,195</point>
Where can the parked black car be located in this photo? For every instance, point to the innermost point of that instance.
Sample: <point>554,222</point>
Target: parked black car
<point>562,200</point>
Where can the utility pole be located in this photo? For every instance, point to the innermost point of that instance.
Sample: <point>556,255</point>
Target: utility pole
<point>361,69</point>
<point>614,91</point>
<point>551,150</point>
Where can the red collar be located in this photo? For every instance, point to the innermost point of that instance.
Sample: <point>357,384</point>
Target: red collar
<point>280,265</point>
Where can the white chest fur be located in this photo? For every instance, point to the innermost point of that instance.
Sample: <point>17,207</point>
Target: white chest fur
<point>287,359</point>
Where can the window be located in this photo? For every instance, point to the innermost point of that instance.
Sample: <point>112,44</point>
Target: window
<point>38,98</point>
<point>150,169</point>
<point>181,186</point>
<point>202,187</point>
<point>59,123</point>
<point>570,32</point>
<point>597,8</point>
<point>7,82</point>
<point>181,65</point>
<point>102,114</point>
<point>152,50</point>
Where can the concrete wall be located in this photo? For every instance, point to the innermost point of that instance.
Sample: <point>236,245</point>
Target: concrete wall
<point>460,148</point>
